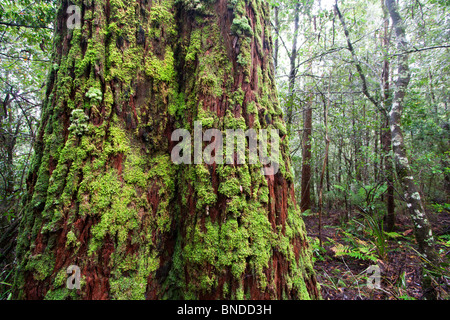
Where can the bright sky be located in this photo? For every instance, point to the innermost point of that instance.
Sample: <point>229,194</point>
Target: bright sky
<point>327,4</point>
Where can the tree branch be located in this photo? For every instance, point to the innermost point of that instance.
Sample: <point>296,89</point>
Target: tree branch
<point>357,64</point>
<point>420,50</point>
<point>9,24</point>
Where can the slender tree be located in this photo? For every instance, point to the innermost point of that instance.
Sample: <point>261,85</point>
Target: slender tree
<point>103,192</point>
<point>276,49</point>
<point>422,227</point>
<point>385,132</point>
<point>382,106</point>
<point>306,178</point>
<point>293,55</point>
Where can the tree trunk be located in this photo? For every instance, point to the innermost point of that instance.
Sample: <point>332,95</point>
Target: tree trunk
<point>423,232</point>
<point>386,134</point>
<point>305,201</point>
<point>388,176</point>
<point>306,177</point>
<point>325,160</point>
<point>103,192</point>
<point>276,48</point>
<point>293,70</point>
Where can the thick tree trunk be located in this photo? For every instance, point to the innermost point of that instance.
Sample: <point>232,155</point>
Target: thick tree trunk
<point>103,192</point>
<point>423,232</point>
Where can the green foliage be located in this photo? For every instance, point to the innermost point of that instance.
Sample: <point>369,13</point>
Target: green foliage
<point>378,235</point>
<point>360,253</point>
<point>6,279</point>
<point>25,48</point>
<point>317,250</point>
<point>356,248</point>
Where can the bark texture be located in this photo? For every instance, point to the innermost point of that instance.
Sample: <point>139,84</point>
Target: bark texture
<point>103,193</point>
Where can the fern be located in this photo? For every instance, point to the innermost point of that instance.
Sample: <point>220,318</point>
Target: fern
<point>364,251</point>
<point>340,250</point>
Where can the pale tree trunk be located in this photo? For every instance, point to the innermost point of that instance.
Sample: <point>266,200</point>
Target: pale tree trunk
<point>386,134</point>
<point>422,227</point>
<point>293,70</point>
<point>276,48</point>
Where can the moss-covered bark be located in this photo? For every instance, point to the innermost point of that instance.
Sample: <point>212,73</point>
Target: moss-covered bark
<point>103,192</point>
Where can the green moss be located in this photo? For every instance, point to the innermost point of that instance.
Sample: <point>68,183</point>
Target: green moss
<point>221,246</point>
<point>245,178</point>
<point>161,70</point>
<point>203,187</point>
<point>126,288</point>
<point>234,247</point>
<point>131,191</point>
<point>41,265</point>
<point>236,205</point>
<point>177,106</point>
<point>208,118</point>
<point>129,280</point>
<point>261,240</point>
<point>240,26</point>
<point>234,123</point>
<point>72,239</point>
<point>210,83</point>
<point>237,98</point>
<point>239,295</point>
<point>195,46</point>
<point>61,294</point>
<point>231,187</point>
<point>94,94</point>
<point>78,121</point>
<point>281,126</point>
<point>252,108</point>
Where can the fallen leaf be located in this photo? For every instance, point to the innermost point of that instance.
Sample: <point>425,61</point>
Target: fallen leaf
<point>407,232</point>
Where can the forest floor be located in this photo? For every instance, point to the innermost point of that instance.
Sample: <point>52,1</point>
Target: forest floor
<point>348,250</point>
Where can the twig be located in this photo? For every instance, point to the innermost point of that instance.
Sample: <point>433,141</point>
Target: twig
<point>9,24</point>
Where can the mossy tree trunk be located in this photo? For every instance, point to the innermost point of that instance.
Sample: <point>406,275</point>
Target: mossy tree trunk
<point>103,193</point>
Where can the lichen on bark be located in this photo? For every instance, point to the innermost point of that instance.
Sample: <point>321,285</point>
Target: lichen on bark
<point>103,193</point>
